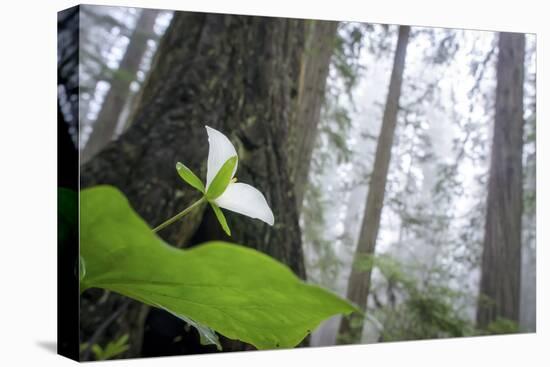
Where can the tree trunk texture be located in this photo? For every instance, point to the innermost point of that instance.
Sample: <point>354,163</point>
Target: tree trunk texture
<point>315,64</point>
<point>501,259</point>
<point>359,281</point>
<point>237,74</point>
<point>106,123</point>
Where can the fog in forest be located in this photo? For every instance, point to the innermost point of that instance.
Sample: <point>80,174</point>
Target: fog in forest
<point>426,267</point>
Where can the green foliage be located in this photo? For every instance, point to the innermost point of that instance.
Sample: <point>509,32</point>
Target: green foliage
<point>391,269</point>
<point>113,349</point>
<point>414,310</point>
<point>423,316</point>
<point>236,291</point>
<point>324,264</point>
<point>345,71</point>
<point>222,179</point>
<point>188,176</point>
<point>336,131</point>
<point>436,316</point>
<point>347,52</point>
<point>502,326</point>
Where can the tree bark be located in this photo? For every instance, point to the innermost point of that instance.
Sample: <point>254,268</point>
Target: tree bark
<point>237,74</point>
<point>501,259</point>
<point>315,64</point>
<point>359,281</point>
<point>106,123</point>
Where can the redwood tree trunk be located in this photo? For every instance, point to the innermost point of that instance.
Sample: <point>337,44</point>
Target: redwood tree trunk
<point>320,43</point>
<point>106,123</point>
<point>238,74</point>
<point>501,260</point>
<point>359,280</point>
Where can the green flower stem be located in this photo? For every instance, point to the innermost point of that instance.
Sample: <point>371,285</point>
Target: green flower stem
<point>179,215</point>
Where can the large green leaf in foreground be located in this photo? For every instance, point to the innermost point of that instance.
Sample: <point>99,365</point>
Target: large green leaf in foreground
<point>239,292</point>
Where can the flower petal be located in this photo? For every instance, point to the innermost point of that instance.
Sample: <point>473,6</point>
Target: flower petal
<point>219,152</point>
<point>247,200</point>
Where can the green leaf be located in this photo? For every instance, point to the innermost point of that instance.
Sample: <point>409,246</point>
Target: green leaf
<point>221,218</point>
<point>116,347</point>
<point>98,352</point>
<point>123,340</point>
<point>189,177</point>
<point>234,290</point>
<point>206,334</point>
<point>113,348</point>
<point>222,179</point>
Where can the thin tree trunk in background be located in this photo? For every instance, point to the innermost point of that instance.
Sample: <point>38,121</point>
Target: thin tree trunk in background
<point>359,281</point>
<point>501,260</point>
<point>106,123</point>
<point>237,74</point>
<point>320,42</point>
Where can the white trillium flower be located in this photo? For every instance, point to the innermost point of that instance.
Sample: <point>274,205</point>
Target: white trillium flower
<point>222,190</point>
<point>238,197</point>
